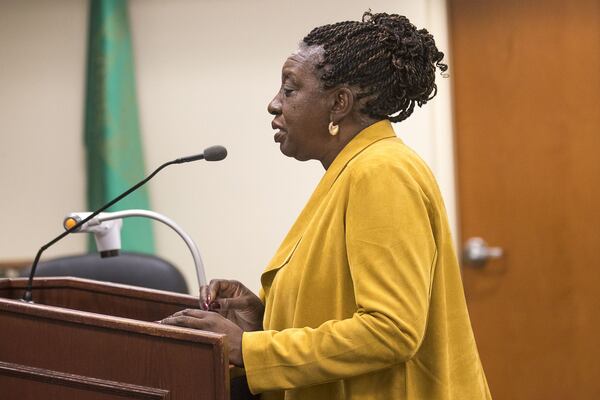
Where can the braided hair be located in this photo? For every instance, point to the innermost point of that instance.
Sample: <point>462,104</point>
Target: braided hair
<point>385,55</point>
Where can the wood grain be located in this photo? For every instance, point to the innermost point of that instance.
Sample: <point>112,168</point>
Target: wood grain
<point>34,383</point>
<point>105,331</point>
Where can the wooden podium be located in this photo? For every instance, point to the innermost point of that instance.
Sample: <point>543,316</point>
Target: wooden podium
<point>84,339</point>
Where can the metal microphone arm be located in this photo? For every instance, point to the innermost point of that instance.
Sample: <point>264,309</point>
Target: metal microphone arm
<point>200,273</point>
<point>213,153</point>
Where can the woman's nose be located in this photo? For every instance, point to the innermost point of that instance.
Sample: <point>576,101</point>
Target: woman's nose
<point>274,107</point>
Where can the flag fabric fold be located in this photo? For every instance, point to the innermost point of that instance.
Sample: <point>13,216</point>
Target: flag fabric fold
<point>114,154</point>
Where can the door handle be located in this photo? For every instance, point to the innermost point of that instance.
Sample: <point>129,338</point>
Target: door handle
<point>476,252</point>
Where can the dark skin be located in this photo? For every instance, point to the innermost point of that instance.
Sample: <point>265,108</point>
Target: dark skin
<point>227,307</point>
<point>302,110</point>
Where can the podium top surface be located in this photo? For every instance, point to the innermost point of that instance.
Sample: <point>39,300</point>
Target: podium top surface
<point>103,304</point>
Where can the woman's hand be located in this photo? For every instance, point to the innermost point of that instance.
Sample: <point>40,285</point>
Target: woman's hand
<point>235,302</point>
<point>210,321</point>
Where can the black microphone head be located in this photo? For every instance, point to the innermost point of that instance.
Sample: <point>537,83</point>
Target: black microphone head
<point>215,153</point>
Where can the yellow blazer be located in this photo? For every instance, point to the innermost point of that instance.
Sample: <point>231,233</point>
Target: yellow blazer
<point>364,298</point>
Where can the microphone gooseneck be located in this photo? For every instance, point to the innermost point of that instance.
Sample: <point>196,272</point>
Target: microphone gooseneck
<point>212,152</point>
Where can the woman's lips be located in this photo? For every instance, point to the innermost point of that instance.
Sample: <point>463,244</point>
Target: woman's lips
<point>279,136</point>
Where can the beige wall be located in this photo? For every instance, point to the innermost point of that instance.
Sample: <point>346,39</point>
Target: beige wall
<point>205,73</point>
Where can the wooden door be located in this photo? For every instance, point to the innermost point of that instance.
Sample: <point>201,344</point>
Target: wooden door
<point>526,79</point>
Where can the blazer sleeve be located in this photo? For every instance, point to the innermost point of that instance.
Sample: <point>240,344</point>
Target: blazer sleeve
<point>391,255</point>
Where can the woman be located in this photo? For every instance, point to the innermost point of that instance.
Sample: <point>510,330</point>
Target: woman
<point>363,299</point>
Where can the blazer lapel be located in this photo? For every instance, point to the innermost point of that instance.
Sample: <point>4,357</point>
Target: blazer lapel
<point>374,133</point>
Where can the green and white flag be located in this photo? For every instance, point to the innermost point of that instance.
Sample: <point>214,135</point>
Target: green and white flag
<point>112,135</point>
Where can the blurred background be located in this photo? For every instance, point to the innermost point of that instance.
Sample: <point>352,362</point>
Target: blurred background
<point>512,137</point>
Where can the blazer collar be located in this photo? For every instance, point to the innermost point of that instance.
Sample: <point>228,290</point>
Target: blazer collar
<point>365,138</point>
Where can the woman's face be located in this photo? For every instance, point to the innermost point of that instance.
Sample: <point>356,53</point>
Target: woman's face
<point>302,108</point>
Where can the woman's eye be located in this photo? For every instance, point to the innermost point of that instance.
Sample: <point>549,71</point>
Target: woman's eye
<point>287,91</point>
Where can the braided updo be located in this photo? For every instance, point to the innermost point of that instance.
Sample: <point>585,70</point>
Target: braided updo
<point>385,55</point>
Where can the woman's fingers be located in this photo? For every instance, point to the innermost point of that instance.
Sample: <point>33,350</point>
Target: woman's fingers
<point>210,321</point>
<point>188,322</point>
<point>212,291</point>
<point>222,305</point>
<point>191,312</point>
<point>219,293</point>
<point>190,318</point>
<point>223,288</point>
<point>215,289</point>
<point>204,296</point>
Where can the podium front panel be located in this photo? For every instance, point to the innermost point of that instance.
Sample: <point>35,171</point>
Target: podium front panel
<point>102,335</point>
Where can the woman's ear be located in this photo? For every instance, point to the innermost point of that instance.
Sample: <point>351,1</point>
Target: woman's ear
<point>343,103</point>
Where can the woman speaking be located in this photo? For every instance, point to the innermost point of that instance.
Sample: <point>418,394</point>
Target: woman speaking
<point>363,299</point>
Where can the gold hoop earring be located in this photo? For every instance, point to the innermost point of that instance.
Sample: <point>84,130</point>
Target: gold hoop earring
<point>333,129</point>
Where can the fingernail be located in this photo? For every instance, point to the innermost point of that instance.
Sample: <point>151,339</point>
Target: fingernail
<point>205,306</point>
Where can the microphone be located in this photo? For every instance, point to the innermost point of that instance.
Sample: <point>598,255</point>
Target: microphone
<point>213,153</point>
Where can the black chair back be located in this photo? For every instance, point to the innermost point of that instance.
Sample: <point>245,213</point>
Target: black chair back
<point>135,269</point>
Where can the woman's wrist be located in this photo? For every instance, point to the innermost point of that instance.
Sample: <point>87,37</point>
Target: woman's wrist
<point>236,356</point>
